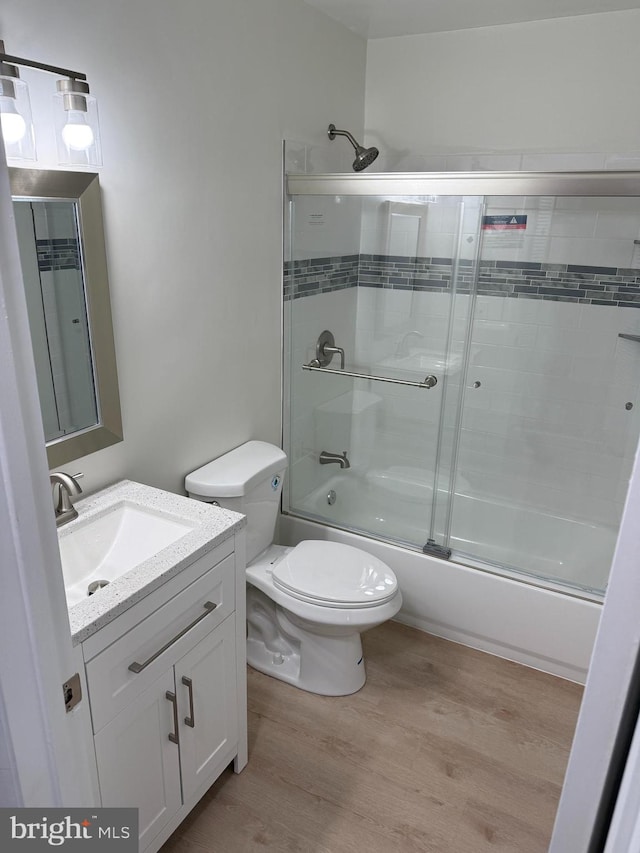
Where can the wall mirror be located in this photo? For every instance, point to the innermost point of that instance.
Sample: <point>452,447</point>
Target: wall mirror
<point>61,240</point>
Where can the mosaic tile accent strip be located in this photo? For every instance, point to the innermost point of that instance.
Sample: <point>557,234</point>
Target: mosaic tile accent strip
<point>589,285</point>
<point>515,279</point>
<point>59,254</point>
<point>402,273</point>
<point>320,275</point>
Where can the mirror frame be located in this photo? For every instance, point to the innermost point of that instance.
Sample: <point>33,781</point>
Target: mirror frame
<point>83,189</point>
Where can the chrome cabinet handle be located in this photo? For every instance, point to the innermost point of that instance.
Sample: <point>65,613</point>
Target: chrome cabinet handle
<point>136,667</point>
<point>191,719</point>
<point>173,736</point>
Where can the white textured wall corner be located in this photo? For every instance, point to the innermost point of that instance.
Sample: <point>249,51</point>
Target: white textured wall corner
<point>562,85</point>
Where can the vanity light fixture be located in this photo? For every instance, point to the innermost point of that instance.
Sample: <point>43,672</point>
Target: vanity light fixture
<point>76,120</point>
<point>75,113</point>
<point>15,113</point>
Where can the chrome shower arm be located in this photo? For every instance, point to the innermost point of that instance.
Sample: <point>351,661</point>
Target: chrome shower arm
<point>333,132</point>
<point>364,156</point>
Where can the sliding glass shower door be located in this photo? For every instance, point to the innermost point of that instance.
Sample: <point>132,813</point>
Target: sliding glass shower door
<point>550,416</point>
<point>472,343</point>
<point>373,360</point>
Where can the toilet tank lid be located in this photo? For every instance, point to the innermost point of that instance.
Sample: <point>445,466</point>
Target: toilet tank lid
<point>233,474</point>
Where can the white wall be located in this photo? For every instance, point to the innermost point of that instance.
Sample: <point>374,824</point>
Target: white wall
<point>563,85</point>
<point>195,99</point>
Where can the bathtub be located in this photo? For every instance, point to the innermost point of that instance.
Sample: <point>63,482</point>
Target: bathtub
<point>543,614</point>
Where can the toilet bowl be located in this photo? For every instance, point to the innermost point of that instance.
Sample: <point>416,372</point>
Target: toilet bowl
<point>306,609</point>
<point>306,605</point>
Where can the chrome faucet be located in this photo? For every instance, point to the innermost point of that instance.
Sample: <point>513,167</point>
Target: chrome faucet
<point>403,345</point>
<point>334,458</point>
<point>64,487</point>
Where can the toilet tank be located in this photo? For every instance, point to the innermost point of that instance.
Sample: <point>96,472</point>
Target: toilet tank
<point>247,480</point>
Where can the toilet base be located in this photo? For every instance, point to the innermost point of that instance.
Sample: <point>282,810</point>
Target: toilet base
<point>283,646</point>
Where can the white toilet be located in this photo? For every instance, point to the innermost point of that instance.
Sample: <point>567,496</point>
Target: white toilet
<point>306,606</point>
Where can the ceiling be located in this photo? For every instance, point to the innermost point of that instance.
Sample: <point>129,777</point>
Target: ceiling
<point>375,19</point>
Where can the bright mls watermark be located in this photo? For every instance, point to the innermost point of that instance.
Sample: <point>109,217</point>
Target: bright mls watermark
<point>69,829</point>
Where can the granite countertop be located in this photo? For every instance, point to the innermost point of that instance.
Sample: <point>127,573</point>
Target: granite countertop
<point>212,526</point>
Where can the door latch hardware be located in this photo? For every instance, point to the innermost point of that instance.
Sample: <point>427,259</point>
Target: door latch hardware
<point>72,692</point>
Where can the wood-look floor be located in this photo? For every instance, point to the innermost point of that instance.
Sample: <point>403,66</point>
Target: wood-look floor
<point>445,749</point>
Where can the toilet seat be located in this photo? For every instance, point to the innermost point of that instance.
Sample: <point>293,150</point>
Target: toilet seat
<point>330,574</point>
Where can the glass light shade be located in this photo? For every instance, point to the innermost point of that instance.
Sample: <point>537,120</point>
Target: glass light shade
<point>76,124</point>
<point>15,115</point>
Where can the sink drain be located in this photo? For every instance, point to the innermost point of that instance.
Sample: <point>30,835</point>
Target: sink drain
<point>94,586</point>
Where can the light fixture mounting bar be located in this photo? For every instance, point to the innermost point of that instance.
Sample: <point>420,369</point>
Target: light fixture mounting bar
<point>30,63</point>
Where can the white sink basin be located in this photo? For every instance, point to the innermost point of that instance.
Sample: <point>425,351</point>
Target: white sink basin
<point>113,542</point>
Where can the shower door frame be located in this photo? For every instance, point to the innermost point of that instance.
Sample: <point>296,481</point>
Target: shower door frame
<point>591,184</point>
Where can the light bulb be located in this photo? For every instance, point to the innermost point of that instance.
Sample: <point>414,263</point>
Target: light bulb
<point>76,134</point>
<point>14,127</point>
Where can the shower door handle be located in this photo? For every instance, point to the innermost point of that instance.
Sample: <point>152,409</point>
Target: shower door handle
<point>429,381</point>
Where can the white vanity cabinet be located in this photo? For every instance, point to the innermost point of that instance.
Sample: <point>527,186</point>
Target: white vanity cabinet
<point>167,689</point>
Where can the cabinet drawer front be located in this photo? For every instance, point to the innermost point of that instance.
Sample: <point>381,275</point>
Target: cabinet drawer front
<point>118,674</point>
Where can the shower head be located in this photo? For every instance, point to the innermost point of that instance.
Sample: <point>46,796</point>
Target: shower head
<point>364,156</point>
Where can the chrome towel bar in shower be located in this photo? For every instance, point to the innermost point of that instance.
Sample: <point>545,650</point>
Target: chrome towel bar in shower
<point>428,382</point>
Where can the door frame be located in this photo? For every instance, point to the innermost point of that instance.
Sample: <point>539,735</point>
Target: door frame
<point>45,760</point>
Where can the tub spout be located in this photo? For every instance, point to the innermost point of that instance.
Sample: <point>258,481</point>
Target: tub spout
<point>334,458</point>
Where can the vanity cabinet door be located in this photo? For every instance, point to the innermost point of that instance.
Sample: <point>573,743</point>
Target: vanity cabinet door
<point>138,765</point>
<point>206,687</point>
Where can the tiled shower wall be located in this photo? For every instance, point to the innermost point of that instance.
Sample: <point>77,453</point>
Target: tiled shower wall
<point>549,426</point>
